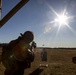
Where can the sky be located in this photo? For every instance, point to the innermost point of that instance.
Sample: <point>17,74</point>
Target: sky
<point>41,17</point>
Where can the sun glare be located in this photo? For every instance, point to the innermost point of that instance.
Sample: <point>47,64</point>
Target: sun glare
<point>62,19</point>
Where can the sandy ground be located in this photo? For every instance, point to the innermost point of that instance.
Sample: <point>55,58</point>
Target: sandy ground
<point>59,63</point>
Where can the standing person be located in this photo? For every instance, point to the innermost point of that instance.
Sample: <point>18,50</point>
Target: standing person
<point>44,55</point>
<point>44,58</point>
<point>16,55</point>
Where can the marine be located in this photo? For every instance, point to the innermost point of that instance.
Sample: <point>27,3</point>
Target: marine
<point>17,55</point>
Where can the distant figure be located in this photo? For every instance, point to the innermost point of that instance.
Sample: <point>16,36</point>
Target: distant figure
<point>74,60</point>
<point>44,55</point>
<point>33,45</point>
<point>17,56</point>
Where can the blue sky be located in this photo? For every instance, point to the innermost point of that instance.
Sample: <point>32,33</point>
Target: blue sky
<point>37,16</point>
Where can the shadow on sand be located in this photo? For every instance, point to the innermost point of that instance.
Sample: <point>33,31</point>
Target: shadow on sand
<point>37,71</point>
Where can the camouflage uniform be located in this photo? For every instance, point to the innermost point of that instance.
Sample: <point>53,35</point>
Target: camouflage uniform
<point>14,66</point>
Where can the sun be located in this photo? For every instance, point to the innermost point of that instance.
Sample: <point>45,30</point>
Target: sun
<point>62,20</point>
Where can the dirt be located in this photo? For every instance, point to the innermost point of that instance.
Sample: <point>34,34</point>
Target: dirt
<point>59,63</point>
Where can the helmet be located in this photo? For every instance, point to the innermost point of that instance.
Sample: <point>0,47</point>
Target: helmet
<point>28,36</point>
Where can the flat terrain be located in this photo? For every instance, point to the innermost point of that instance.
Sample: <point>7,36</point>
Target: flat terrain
<point>59,63</point>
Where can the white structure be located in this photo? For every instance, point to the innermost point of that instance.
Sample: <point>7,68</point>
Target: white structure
<point>0,8</point>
